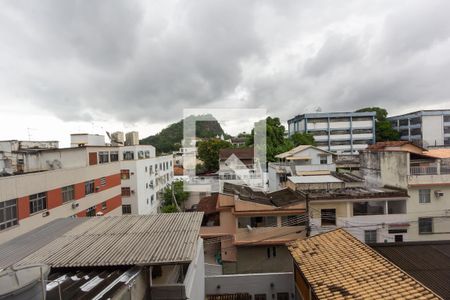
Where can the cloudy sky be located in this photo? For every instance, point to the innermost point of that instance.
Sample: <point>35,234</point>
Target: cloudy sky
<point>71,66</point>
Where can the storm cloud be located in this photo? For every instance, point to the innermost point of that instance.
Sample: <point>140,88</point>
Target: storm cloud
<point>140,61</point>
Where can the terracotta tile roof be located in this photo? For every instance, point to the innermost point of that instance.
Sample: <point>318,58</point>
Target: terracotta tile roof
<point>241,153</point>
<point>208,204</point>
<point>438,153</point>
<point>339,266</point>
<point>382,145</point>
<point>178,171</point>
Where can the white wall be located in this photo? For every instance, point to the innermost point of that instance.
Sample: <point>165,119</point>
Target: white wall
<point>262,283</point>
<point>433,130</point>
<point>194,281</point>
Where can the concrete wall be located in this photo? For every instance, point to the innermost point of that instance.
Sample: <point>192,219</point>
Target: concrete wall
<point>385,168</point>
<point>268,284</point>
<point>254,259</point>
<point>433,130</point>
<point>194,281</point>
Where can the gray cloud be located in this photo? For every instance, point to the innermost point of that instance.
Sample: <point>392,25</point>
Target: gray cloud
<point>130,60</point>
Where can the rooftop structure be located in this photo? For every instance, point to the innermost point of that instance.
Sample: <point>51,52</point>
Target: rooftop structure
<point>335,265</point>
<point>339,132</point>
<point>428,262</point>
<point>86,139</point>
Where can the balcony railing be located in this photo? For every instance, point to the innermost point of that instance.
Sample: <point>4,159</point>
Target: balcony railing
<point>430,170</point>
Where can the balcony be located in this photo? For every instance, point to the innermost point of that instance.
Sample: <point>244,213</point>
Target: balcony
<point>429,174</point>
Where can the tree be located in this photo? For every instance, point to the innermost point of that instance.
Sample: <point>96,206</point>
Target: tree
<point>383,128</point>
<point>302,139</point>
<point>208,152</point>
<point>276,143</point>
<point>180,196</point>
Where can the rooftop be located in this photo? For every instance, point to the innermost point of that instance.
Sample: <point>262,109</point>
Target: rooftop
<point>428,262</point>
<point>426,112</point>
<point>299,149</point>
<point>354,193</point>
<point>438,153</point>
<point>333,114</point>
<point>284,197</point>
<point>339,266</point>
<point>117,241</point>
<point>314,179</point>
<point>241,153</point>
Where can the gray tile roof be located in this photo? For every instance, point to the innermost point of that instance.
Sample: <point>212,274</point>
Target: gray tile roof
<point>124,240</point>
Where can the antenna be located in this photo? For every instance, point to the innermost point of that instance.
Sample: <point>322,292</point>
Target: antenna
<point>29,133</point>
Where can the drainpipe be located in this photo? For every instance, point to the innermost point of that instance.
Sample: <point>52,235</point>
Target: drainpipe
<point>308,223</point>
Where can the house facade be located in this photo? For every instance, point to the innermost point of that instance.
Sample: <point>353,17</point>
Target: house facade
<point>302,160</point>
<point>426,177</point>
<point>246,230</point>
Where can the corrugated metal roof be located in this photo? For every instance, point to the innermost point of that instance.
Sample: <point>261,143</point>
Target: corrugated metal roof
<point>124,240</point>
<point>16,249</point>
<point>427,261</point>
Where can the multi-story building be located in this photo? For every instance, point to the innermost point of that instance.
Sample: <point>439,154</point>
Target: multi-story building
<point>144,176</point>
<point>425,128</point>
<point>339,132</point>
<point>58,183</point>
<point>246,230</point>
<point>132,138</point>
<point>426,177</point>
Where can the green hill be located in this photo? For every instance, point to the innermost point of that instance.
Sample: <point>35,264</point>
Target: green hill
<point>169,139</point>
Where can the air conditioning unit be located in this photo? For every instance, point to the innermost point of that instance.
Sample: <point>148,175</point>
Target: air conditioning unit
<point>75,205</point>
<point>45,213</point>
<point>439,193</point>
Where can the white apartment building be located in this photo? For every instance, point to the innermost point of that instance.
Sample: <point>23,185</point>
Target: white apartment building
<point>41,185</point>
<point>143,178</point>
<point>426,177</point>
<point>339,132</point>
<point>425,128</point>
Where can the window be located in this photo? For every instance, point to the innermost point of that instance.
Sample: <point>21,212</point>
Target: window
<point>447,129</point>
<point>128,155</point>
<point>282,296</point>
<point>126,209</point>
<point>393,231</point>
<point>370,236</point>
<point>323,160</point>
<point>8,214</point>
<point>369,208</point>
<point>398,238</point>
<point>89,187</point>
<point>90,212</point>
<point>103,157</point>
<point>125,174</point>
<point>274,251</point>
<point>416,131</point>
<point>447,118</point>
<point>260,297</point>
<point>425,196</point>
<point>361,131</point>
<point>146,169</point>
<point>254,222</point>
<point>114,156</point>
<point>414,121</point>
<point>104,205</point>
<point>396,207</point>
<point>150,168</point>
<point>147,154</point>
<point>103,181</point>
<point>403,122</point>
<point>38,202</point>
<point>344,131</point>
<point>294,220</point>
<point>425,225</point>
<point>126,192</point>
<point>140,154</point>
<point>152,198</point>
<point>68,193</point>
<point>328,216</point>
